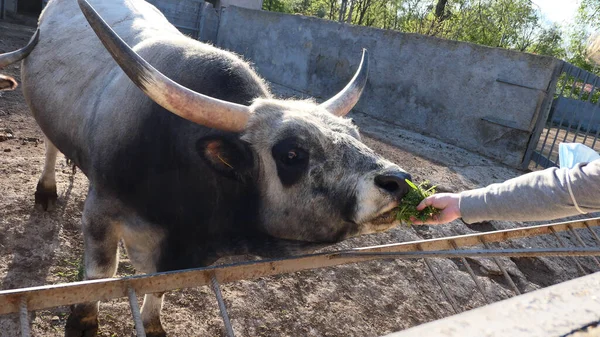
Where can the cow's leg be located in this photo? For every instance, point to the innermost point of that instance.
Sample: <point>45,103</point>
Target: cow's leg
<point>151,315</point>
<point>101,233</point>
<point>143,243</point>
<point>45,192</point>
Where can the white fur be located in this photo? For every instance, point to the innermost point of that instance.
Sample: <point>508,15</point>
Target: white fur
<point>48,177</point>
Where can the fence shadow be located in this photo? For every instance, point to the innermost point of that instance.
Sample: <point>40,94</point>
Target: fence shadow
<point>34,244</point>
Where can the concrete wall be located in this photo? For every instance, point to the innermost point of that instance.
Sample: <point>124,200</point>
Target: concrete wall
<point>184,14</point>
<point>451,90</point>
<point>198,18</point>
<point>209,24</point>
<point>251,4</point>
<point>10,6</point>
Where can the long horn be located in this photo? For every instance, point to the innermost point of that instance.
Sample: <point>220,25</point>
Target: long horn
<point>345,100</point>
<point>193,106</point>
<point>18,55</point>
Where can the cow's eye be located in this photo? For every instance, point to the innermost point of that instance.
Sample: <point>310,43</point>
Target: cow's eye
<point>291,160</point>
<point>294,156</point>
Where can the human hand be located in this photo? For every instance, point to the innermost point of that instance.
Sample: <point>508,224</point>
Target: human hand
<point>447,203</point>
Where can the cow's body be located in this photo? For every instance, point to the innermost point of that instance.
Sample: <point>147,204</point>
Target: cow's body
<point>141,159</point>
<point>179,194</point>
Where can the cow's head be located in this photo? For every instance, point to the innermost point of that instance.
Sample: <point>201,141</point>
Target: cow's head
<point>318,182</point>
<point>7,83</point>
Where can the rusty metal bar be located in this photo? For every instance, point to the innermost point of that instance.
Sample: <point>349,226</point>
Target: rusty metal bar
<point>24,317</point>
<point>560,241</point>
<point>503,270</point>
<point>589,124</point>
<point>583,84</point>
<point>214,283</point>
<point>567,72</point>
<point>562,118</point>
<point>449,296</point>
<point>582,243</point>
<point>449,254</point>
<point>105,289</point>
<point>135,312</point>
<point>592,230</point>
<point>470,270</point>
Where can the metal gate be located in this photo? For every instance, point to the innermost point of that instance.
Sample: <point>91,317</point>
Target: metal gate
<point>571,244</point>
<point>574,116</point>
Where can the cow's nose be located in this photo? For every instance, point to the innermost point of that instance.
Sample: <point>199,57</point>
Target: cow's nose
<point>394,183</point>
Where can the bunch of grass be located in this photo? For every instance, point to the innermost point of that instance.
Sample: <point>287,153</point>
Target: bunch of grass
<point>407,210</point>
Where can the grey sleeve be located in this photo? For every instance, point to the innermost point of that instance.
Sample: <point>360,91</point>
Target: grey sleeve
<point>543,195</point>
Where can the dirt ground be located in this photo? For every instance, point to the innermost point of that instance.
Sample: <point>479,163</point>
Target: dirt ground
<point>367,299</point>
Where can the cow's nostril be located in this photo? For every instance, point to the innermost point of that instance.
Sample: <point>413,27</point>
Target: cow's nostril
<point>387,184</point>
<point>394,183</point>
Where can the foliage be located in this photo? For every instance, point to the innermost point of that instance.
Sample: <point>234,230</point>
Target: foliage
<point>579,35</point>
<point>408,207</point>
<point>512,24</point>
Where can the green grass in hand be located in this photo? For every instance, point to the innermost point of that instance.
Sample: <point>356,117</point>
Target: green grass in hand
<point>408,206</point>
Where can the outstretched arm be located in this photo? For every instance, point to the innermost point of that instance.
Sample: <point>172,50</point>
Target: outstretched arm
<point>542,195</point>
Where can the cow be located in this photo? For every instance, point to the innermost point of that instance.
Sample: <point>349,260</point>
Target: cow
<point>188,154</point>
<point>7,82</point>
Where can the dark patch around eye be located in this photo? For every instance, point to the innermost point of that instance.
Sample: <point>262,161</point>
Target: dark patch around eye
<point>291,161</point>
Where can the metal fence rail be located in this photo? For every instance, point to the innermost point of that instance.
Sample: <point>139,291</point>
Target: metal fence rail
<point>29,299</point>
<point>574,116</point>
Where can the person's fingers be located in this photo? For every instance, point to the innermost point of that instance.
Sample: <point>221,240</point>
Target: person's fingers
<point>424,203</point>
<point>439,219</point>
<point>428,221</point>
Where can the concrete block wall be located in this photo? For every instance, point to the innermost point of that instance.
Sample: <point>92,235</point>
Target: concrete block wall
<point>184,14</point>
<point>486,100</point>
<point>209,24</point>
<point>10,6</point>
<point>251,4</point>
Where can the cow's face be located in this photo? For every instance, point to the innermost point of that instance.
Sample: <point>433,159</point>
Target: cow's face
<point>318,181</point>
<point>7,83</point>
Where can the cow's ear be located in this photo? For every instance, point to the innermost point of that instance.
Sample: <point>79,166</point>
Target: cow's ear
<point>227,155</point>
<point>7,83</point>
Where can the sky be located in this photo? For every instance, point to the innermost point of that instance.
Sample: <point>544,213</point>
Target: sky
<point>558,11</point>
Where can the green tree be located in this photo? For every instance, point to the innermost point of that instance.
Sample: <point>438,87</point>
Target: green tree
<point>579,35</point>
<point>512,24</point>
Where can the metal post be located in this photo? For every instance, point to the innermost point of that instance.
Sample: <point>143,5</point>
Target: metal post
<point>583,84</point>
<point>502,269</point>
<point>217,290</point>
<point>589,100</point>
<point>566,69</point>
<point>581,242</point>
<point>593,233</point>
<point>449,297</point>
<point>560,241</point>
<point>24,318</point>
<point>135,312</point>
<point>470,270</point>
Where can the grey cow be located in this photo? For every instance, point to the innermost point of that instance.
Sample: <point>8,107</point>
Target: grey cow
<point>188,155</point>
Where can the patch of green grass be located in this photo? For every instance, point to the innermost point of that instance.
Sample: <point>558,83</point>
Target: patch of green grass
<point>408,207</point>
<point>74,271</point>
